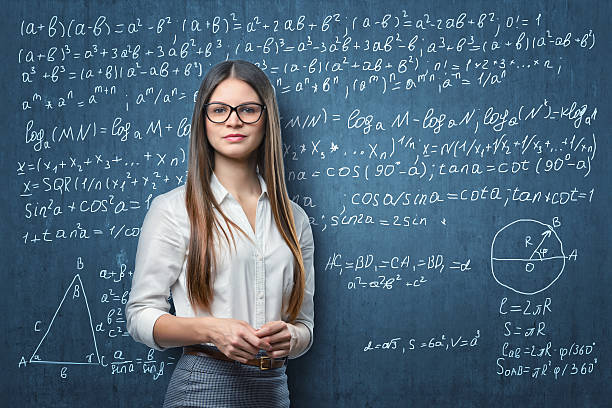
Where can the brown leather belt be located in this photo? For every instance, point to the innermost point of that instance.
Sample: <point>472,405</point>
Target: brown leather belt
<point>263,362</point>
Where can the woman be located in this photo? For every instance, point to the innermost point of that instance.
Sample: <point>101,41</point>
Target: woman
<point>234,250</point>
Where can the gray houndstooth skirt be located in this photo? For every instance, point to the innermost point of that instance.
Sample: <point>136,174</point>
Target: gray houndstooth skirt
<point>202,381</point>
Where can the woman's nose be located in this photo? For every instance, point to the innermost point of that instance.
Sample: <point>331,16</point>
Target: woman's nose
<point>233,119</point>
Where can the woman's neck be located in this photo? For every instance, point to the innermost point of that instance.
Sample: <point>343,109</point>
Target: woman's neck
<point>238,177</point>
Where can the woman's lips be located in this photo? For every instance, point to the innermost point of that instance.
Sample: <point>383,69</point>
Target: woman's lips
<point>234,137</point>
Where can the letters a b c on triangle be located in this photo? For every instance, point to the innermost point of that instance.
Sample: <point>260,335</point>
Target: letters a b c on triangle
<point>70,337</point>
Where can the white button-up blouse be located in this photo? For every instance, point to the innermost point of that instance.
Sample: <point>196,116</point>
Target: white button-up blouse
<point>252,284</point>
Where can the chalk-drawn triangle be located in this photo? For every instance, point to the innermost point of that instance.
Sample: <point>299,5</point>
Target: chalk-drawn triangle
<point>70,337</point>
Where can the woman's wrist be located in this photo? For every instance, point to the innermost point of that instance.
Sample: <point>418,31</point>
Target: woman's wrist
<point>173,331</point>
<point>204,329</point>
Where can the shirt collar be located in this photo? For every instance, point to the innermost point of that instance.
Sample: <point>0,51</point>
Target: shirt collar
<point>221,193</point>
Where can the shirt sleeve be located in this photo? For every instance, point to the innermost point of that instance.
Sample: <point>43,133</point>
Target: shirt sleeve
<point>304,335</point>
<point>159,259</point>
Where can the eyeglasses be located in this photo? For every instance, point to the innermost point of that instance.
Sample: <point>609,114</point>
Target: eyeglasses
<point>247,112</point>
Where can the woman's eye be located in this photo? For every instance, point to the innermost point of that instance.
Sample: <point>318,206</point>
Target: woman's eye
<point>247,110</point>
<point>219,110</point>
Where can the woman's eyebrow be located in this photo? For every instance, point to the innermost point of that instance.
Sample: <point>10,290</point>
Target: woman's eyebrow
<point>241,103</point>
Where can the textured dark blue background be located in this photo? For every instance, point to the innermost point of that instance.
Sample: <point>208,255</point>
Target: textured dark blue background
<point>335,372</point>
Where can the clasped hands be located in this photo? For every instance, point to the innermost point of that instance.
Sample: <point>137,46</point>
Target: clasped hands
<point>239,341</point>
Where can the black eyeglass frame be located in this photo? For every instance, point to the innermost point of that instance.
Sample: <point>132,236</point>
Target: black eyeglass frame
<point>234,109</point>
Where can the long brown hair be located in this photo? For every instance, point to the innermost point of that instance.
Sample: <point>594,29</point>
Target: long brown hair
<point>200,200</point>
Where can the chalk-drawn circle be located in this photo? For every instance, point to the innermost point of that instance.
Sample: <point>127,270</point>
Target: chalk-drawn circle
<point>527,256</point>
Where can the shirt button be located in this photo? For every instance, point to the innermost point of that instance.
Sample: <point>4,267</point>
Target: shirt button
<point>260,295</point>
<point>258,257</point>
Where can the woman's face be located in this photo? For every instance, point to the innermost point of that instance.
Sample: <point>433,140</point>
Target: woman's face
<point>233,92</point>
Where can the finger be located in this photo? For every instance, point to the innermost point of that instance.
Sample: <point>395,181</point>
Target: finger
<point>241,353</point>
<point>282,352</point>
<point>249,350</point>
<point>281,336</point>
<point>241,357</point>
<point>250,341</point>
<point>270,328</point>
<point>248,347</point>
<point>239,341</point>
<point>237,347</point>
<point>256,342</point>
<point>285,345</point>
<point>267,330</point>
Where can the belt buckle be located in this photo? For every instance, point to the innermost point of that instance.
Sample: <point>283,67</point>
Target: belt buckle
<point>262,365</point>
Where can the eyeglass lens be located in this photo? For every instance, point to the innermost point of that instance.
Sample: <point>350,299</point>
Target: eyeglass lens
<point>220,112</point>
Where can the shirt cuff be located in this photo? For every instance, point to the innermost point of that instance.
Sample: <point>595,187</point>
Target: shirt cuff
<point>301,339</point>
<point>143,330</point>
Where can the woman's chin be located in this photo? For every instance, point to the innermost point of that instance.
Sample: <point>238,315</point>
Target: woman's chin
<point>237,155</point>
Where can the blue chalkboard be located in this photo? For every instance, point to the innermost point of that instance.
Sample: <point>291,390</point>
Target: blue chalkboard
<point>452,158</point>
